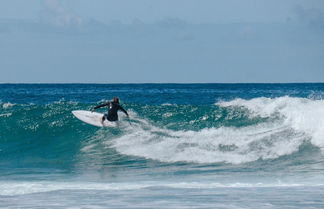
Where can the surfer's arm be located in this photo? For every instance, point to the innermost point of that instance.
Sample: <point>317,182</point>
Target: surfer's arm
<point>102,105</point>
<point>123,110</point>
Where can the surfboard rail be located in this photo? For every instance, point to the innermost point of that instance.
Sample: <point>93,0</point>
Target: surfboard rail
<point>93,118</point>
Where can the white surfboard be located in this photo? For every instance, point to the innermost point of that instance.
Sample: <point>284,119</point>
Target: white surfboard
<point>93,118</point>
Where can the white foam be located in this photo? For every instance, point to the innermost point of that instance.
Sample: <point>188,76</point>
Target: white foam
<point>167,104</point>
<point>7,105</point>
<point>5,115</point>
<point>20,188</point>
<point>231,145</point>
<point>167,115</point>
<point>24,187</point>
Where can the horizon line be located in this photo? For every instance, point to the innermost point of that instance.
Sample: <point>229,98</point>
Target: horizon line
<point>100,83</point>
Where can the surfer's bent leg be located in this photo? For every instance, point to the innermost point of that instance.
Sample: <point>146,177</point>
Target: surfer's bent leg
<point>104,117</point>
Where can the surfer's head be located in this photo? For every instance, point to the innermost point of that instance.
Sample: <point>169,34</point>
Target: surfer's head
<point>116,100</point>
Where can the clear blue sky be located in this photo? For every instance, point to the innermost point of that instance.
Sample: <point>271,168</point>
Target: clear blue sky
<point>161,41</point>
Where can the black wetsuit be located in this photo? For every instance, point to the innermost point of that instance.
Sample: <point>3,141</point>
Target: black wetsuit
<point>113,107</point>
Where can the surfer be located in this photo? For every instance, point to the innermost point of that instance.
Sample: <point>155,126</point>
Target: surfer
<point>113,108</point>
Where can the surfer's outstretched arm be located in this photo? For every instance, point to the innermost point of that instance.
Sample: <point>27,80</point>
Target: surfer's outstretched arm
<point>102,105</point>
<point>123,110</point>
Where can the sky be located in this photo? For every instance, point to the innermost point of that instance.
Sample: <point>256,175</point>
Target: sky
<point>161,41</point>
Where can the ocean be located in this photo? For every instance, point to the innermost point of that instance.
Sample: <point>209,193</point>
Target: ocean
<point>184,146</point>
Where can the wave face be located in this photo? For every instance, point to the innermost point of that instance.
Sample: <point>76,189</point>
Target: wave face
<point>178,130</point>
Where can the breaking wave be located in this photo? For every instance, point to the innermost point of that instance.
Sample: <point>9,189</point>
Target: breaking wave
<point>281,126</point>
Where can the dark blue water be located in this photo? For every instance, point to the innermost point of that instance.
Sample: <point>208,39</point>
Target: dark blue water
<point>212,140</point>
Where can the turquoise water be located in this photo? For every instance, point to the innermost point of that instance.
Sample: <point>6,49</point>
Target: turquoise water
<point>185,145</point>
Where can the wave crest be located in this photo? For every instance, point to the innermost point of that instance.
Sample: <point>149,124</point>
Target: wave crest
<point>301,114</point>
